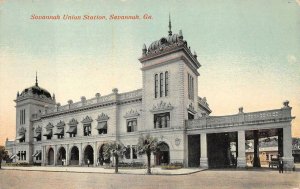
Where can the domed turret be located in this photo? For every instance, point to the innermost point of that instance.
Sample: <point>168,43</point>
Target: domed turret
<point>36,90</point>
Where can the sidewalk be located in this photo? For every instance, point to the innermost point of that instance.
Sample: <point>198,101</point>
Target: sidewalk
<point>155,170</point>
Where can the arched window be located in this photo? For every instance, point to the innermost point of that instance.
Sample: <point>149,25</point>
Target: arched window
<point>156,86</point>
<point>161,84</point>
<point>166,83</point>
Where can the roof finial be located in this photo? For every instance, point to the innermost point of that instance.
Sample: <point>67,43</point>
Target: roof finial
<point>36,80</point>
<point>170,26</point>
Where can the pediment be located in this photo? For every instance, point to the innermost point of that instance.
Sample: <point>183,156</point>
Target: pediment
<point>38,129</point>
<point>49,126</point>
<point>60,124</point>
<point>131,113</point>
<point>162,106</point>
<point>102,117</point>
<point>73,122</point>
<point>22,130</point>
<point>87,119</point>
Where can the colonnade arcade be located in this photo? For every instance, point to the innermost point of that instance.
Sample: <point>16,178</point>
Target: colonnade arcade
<point>221,141</point>
<point>74,154</point>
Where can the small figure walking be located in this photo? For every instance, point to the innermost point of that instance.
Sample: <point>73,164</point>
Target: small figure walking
<point>88,162</point>
<point>280,164</point>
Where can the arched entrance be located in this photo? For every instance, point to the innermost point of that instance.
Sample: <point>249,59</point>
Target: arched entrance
<point>50,156</point>
<point>102,159</point>
<point>74,160</point>
<point>61,155</point>
<point>163,154</point>
<point>89,155</point>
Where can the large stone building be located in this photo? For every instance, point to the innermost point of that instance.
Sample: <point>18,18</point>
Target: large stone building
<point>167,107</point>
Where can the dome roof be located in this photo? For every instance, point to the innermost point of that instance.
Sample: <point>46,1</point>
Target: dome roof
<point>36,90</point>
<point>164,41</point>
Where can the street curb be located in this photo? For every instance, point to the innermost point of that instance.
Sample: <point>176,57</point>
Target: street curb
<point>14,169</point>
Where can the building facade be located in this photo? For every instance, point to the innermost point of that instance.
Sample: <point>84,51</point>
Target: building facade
<point>167,107</point>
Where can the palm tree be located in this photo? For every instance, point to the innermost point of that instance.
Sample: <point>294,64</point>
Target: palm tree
<point>3,154</point>
<point>147,145</point>
<point>115,149</point>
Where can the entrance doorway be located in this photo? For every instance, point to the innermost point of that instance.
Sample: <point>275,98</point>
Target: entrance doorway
<point>163,154</point>
<point>194,150</point>
<point>74,160</point>
<point>221,149</point>
<point>89,155</point>
<point>102,159</point>
<point>61,156</point>
<point>50,156</point>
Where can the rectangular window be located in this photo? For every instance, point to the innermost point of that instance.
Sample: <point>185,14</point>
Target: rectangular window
<point>20,117</point>
<point>190,87</point>
<point>87,130</point>
<point>162,120</point>
<point>190,116</point>
<point>166,83</point>
<point>156,86</point>
<point>161,77</point>
<point>134,152</point>
<point>131,125</point>
<point>127,152</point>
<point>24,117</point>
<point>102,127</point>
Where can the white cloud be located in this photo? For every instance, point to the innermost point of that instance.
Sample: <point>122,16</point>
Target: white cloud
<point>292,59</point>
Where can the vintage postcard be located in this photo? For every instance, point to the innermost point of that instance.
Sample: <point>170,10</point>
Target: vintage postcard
<point>149,94</point>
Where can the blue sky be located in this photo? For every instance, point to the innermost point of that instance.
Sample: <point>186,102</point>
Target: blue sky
<point>249,50</point>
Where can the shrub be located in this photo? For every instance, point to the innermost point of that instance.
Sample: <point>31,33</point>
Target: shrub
<point>174,165</point>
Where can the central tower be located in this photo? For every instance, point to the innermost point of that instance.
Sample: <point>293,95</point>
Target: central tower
<point>170,80</point>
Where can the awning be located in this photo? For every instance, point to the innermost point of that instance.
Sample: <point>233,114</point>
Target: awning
<point>48,133</point>
<point>37,135</point>
<point>59,132</point>
<point>21,137</point>
<point>13,156</point>
<point>102,125</point>
<point>72,130</point>
<point>36,154</point>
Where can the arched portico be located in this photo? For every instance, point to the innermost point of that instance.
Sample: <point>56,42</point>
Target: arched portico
<point>50,156</point>
<point>162,156</point>
<point>88,155</point>
<point>102,159</point>
<point>74,156</point>
<point>61,156</point>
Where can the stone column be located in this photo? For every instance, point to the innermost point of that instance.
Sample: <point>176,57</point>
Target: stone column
<point>287,158</point>
<point>67,155</point>
<point>95,154</point>
<point>203,148</point>
<point>241,159</point>
<point>131,152</point>
<point>55,155</point>
<point>256,159</point>
<point>43,156</point>
<point>80,154</point>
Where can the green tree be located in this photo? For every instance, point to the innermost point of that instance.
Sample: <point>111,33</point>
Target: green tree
<point>3,154</point>
<point>147,145</point>
<point>115,149</point>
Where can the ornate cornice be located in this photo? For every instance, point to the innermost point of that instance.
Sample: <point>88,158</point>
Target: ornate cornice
<point>22,130</point>
<point>102,117</point>
<point>162,106</point>
<point>38,129</point>
<point>60,124</point>
<point>131,113</point>
<point>87,119</point>
<point>73,122</point>
<point>49,126</point>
